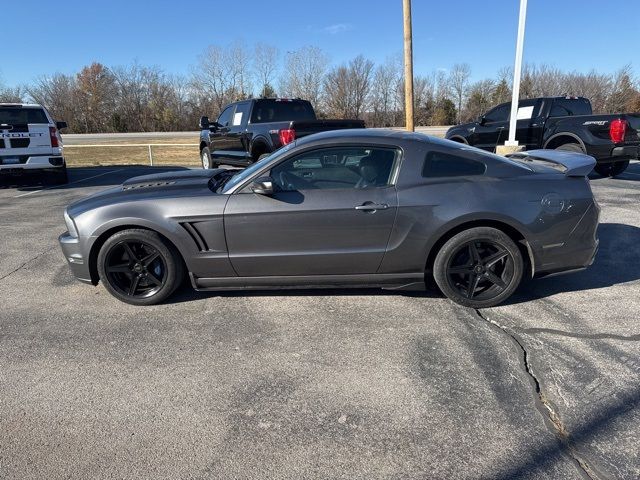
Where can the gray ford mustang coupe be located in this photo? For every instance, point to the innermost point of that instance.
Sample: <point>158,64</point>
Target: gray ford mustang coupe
<point>350,208</point>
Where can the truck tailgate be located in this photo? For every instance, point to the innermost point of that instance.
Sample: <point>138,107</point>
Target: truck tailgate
<point>18,140</point>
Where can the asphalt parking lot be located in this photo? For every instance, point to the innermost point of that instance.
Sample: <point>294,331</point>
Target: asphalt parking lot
<point>315,384</point>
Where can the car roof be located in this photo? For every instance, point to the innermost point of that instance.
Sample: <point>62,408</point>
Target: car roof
<point>363,135</point>
<point>21,105</point>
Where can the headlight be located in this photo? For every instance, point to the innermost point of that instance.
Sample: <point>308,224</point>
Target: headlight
<point>71,227</point>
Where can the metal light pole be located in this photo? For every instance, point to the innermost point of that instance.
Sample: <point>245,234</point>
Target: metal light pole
<point>517,70</point>
<point>408,66</point>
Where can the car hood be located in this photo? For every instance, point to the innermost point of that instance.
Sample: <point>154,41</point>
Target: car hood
<point>146,187</point>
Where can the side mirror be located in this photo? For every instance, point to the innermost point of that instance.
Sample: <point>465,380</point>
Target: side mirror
<point>204,123</point>
<point>61,125</point>
<point>482,120</point>
<point>262,186</point>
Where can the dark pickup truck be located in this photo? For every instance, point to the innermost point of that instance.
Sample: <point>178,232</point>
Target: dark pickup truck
<point>247,129</point>
<point>562,123</point>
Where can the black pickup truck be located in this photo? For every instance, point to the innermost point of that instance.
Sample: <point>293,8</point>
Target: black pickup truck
<point>247,129</point>
<point>563,123</point>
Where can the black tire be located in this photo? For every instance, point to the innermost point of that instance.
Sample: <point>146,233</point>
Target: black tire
<point>139,267</point>
<point>611,169</point>
<point>478,268</point>
<point>207,160</point>
<point>571,147</point>
<point>59,177</point>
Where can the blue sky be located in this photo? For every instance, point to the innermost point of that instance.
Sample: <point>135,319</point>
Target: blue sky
<point>63,36</point>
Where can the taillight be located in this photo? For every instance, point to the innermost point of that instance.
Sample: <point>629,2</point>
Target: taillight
<point>53,133</point>
<point>617,130</point>
<point>287,135</point>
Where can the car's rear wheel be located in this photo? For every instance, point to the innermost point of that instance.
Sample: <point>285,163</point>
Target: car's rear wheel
<point>480,267</point>
<point>611,169</point>
<point>139,267</point>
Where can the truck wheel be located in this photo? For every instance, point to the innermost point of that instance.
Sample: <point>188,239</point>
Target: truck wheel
<point>57,178</point>
<point>207,161</point>
<point>571,147</point>
<point>611,169</point>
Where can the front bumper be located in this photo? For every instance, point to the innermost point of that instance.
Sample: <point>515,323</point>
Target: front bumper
<point>78,264</point>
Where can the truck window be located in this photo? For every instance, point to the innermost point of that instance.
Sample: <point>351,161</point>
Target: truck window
<point>240,115</point>
<point>272,110</point>
<point>565,107</point>
<point>498,114</point>
<point>22,116</point>
<point>225,117</point>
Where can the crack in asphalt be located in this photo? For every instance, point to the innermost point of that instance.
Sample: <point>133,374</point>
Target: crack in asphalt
<point>545,406</point>
<point>586,336</point>
<point>26,263</point>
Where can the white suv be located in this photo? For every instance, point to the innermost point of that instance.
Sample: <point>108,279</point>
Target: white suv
<point>30,143</point>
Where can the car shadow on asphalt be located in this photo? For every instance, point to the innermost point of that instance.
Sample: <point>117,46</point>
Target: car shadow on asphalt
<point>616,262</point>
<point>82,177</point>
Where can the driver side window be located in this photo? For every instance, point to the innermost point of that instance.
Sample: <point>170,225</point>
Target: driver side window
<point>338,167</point>
<point>225,117</point>
<point>498,114</point>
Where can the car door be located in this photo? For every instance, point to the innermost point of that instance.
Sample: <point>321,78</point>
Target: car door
<point>493,128</point>
<point>332,213</point>
<point>219,138</point>
<point>529,125</point>
<point>236,136</point>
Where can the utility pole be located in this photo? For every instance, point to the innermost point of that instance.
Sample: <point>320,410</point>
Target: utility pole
<point>408,66</point>
<point>517,70</point>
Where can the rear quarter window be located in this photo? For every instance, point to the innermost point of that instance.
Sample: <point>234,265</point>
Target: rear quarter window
<point>281,111</point>
<point>440,164</point>
<point>22,116</point>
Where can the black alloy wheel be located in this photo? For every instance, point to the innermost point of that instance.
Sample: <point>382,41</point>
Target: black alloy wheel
<point>135,268</point>
<point>139,267</point>
<point>480,267</point>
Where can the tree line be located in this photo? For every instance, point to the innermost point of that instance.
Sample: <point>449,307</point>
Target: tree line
<point>139,98</point>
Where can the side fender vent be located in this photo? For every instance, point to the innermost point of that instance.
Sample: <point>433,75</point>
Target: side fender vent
<point>195,235</point>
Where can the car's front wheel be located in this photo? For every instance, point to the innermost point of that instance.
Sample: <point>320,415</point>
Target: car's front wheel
<point>139,267</point>
<point>480,267</point>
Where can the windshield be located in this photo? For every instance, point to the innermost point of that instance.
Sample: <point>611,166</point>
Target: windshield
<point>249,171</point>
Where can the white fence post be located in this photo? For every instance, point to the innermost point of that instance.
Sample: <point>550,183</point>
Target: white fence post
<point>150,156</point>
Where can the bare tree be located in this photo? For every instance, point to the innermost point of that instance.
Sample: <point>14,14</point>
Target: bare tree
<point>238,61</point>
<point>304,74</point>
<point>265,65</point>
<point>385,80</point>
<point>459,84</point>
<point>57,93</point>
<point>480,98</point>
<point>623,92</point>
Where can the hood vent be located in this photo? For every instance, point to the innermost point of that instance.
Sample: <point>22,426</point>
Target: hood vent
<point>146,185</point>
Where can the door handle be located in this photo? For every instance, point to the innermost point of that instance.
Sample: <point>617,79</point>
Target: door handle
<point>372,207</point>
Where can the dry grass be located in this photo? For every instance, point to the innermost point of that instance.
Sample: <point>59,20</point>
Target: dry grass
<point>135,155</point>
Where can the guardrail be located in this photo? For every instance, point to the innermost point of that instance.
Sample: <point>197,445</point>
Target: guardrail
<point>128,145</point>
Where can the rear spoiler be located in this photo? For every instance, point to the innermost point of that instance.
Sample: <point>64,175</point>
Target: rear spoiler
<point>572,164</point>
